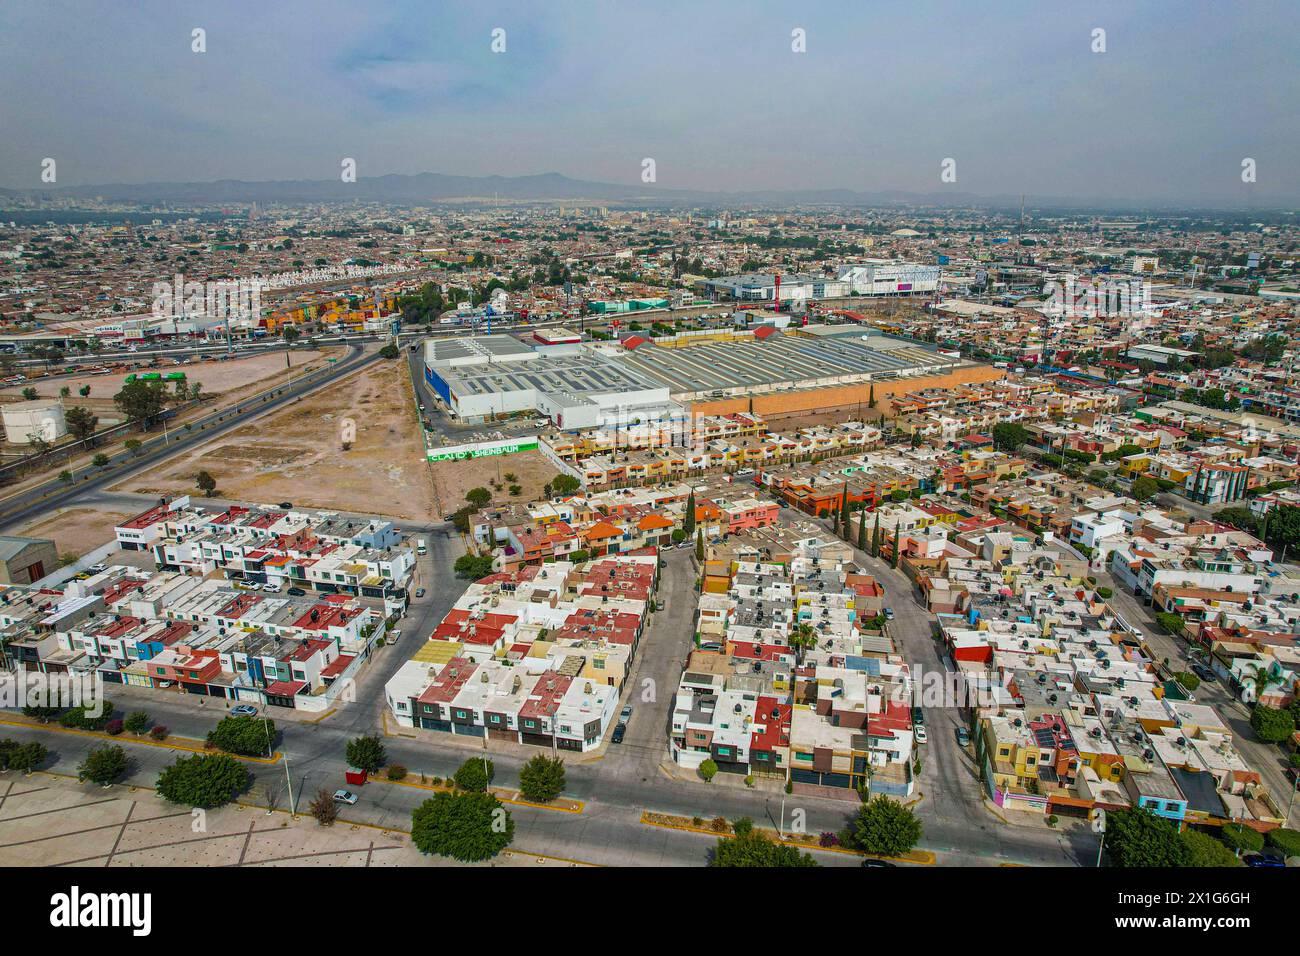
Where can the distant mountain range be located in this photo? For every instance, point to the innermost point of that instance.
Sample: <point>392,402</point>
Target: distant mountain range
<point>440,188</point>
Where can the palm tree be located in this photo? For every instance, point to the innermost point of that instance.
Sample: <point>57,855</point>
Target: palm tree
<point>804,638</point>
<point>1256,680</point>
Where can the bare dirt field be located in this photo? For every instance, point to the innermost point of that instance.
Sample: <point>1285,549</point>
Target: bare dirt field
<point>217,377</point>
<point>532,470</point>
<point>296,454</point>
<point>77,530</point>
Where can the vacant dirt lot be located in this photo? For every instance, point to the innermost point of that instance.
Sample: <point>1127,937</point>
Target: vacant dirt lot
<point>217,377</point>
<point>77,530</point>
<point>296,454</point>
<point>532,470</point>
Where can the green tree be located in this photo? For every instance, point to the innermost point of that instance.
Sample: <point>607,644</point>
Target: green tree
<point>875,538</point>
<point>1241,839</point>
<point>204,780</point>
<point>247,736</point>
<point>862,531</point>
<point>541,779</point>
<point>473,566</point>
<point>367,753</point>
<point>1009,436</point>
<point>1170,622</point>
<point>23,757</point>
<point>81,422</point>
<point>478,497</point>
<point>133,446</point>
<point>469,827</point>
<point>100,460</point>
<point>894,548</point>
<point>886,827</point>
<point>707,769</point>
<point>803,638</point>
<point>389,351</point>
<point>1271,725</point>
<point>84,391</point>
<point>1204,850</point>
<point>565,485</point>
<point>103,765</point>
<point>754,849</point>
<point>137,722</point>
<point>688,518</point>
<point>1144,487</point>
<point>141,401</point>
<point>699,545</point>
<point>29,394</point>
<point>65,476</point>
<point>1139,838</point>
<point>206,483</point>
<point>475,774</point>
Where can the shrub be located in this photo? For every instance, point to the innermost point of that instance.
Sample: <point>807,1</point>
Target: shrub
<point>1203,850</point>
<point>828,839</point>
<point>78,718</point>
<point>1242,839</point>
<point>742,826</point>
<point>158,732</point>
<point>707,770</point>
<point>113,728</point>
<point>719,824</point>
<point>1286,840</point>
<point>475,775</point>
<point>396,772</point>
<point>1105,593</point>
<point>754,849</point>
<point>323,807</point>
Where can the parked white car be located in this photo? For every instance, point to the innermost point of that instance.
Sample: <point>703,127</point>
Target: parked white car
<point>271,587</point>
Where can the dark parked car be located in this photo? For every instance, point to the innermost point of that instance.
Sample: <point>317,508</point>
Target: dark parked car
<point>963,736</point>
<point>1204,673</point>
<point>296,592</point>
<point>872,862</point>
<point>286,504</point>
<point>619,731</point>
<point>1263,859</point>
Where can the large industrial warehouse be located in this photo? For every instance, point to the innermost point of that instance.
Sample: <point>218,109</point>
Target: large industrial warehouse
<point>580,385</point>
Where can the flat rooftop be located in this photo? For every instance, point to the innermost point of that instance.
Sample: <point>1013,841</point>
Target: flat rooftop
<point>794,361</point>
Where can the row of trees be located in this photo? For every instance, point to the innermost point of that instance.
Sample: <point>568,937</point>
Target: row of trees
<point>1139,838</point>
<point>881,827</point>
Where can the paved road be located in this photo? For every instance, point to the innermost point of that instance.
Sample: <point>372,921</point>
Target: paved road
<point>41,499</point>
<point>955,818</point>
<point>617,786</point>
<point>1268,759</point>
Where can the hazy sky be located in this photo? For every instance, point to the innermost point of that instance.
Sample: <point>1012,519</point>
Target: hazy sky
<point>711,90</point>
